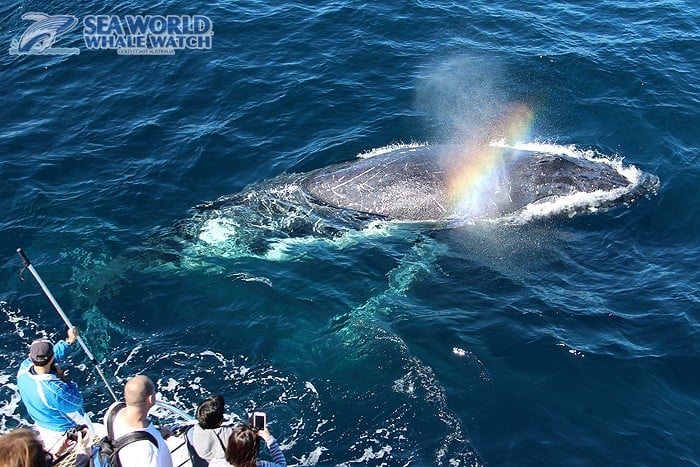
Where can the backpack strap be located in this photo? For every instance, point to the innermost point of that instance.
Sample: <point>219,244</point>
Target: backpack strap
<point>127,439</point>
<point>132,437</point>
<point>110,418</point>
<point>221,443</point>
<point>194,457</point>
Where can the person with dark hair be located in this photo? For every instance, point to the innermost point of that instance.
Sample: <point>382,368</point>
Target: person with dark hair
<point>210,412</point>
<point>243,446</point>
<point>208,438</point>
<point>54,403</point>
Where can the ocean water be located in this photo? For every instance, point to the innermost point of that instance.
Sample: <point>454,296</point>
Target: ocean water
<point>566,339</point>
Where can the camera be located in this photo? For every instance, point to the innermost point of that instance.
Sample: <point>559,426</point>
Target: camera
<point>259,420</point>
<point>72,432</point>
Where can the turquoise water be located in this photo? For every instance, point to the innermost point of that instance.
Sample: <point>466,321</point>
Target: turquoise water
<point>566,340</point>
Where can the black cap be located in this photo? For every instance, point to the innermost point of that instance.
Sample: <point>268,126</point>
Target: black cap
<point>41,351</point>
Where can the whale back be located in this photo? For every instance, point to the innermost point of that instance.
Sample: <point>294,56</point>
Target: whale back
<point>417,183</point>
<point>402,184</point>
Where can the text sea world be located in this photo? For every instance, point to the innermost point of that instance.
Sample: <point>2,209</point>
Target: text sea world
<point>139,31</point>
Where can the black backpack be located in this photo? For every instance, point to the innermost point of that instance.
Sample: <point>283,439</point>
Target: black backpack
<point>108,448</point>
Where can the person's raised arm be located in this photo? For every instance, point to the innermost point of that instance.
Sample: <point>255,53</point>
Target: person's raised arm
<point>63,346</point>
<point>274,447</point>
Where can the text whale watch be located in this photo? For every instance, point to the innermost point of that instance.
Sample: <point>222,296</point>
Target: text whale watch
<point>176,32</point>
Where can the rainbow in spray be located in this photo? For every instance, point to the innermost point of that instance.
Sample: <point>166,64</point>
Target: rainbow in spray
<point>473,175</point>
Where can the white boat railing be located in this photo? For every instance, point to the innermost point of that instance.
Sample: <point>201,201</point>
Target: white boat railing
<point>178,422</point>
<point>173,410</point>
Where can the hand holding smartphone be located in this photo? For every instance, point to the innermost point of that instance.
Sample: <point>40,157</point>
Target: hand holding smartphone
<point>259,420</point>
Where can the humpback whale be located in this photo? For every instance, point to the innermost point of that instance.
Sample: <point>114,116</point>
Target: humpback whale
<point>390,191</point>
<point>452,183</point>
<point>437,185</point>
<point>419,183</point>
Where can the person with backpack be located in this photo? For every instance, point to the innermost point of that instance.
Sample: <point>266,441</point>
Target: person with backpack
<point>138,441</point>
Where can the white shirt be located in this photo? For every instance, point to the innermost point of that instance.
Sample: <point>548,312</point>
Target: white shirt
<point>141,453</point>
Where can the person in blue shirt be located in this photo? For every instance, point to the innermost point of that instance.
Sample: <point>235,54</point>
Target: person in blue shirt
<point>54,403</point>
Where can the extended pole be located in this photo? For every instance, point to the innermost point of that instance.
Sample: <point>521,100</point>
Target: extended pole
<point>47,292</point>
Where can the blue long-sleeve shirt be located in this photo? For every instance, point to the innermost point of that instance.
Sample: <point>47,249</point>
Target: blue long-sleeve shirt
<point>53,404</point>
<point>278,459</point>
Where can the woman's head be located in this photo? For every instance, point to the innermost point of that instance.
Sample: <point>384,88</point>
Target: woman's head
<point>210,413</point>
<point>22,448</point>
<point>243,447</point>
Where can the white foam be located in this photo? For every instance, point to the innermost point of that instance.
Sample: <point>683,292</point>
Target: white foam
<point>630,172</point>
<point>8,410</point>
<point>285,249</point>
<point>570,203</point>
<point>405,386</point>
<point>311,387</point>
<point>389,148</point>
<point>572,351</point>
<point>170,386</point>
<point>131,355</point>
<point>20,322</point>
<point>313,457</point>
<point>218,230</point>
<point>241,276</point>
<point>370,454</point>
<point>216,355</point>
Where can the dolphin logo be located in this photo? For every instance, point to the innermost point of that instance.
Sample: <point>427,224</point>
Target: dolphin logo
<point>38,38</point>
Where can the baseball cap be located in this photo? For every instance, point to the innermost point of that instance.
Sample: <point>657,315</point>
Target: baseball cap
<point>41,351</point>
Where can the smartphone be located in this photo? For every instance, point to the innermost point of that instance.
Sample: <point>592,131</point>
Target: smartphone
<point>259,420</point>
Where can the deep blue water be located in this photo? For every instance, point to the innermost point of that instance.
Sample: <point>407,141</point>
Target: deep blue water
<point>568,340</point>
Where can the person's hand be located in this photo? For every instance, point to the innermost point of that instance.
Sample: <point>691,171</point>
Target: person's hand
<point>62,445</point>
<point>58,371</point>
<point>265,434</point>
<point>82,443</point>
<point>72,335</point>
